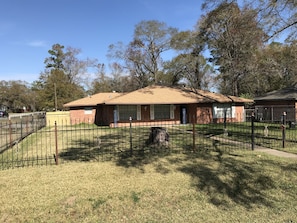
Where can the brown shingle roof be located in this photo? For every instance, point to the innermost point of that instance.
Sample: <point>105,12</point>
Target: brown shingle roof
<point>172,95</point>
<point>93,100</point>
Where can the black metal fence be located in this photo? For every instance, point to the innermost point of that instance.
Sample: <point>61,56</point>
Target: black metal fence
<point>29,142</point>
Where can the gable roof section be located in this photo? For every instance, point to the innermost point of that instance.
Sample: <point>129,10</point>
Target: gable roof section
<point>220,98</point>
<point>172,95</point>
<point>289,93</point>
<point>93,100</point>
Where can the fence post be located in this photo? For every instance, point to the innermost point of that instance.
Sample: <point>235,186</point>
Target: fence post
<point>131,148</point>
<point>284,129</point>
<point>253,130</point>
<point>194,133</point>
<point>10,133</point>
<point>56,144</point>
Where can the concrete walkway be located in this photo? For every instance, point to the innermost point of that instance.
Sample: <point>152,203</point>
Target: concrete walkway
<point>275,152</point>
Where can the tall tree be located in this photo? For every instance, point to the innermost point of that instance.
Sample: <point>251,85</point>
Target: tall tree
<point>143,55</point>
<point>102,83</point>
<point>232,35</point>
<point>56,84</point>
<point>277,17</point>
<point>190,65</point>
<point>16,95</point>
<point>277,66</point>
<point>56,58</point>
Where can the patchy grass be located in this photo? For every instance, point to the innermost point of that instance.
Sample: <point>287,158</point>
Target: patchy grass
<point>241,132</point>
<point>207,186</point>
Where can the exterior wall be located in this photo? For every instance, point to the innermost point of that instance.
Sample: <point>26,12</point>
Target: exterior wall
<point>59,117</point>
<point>204,114</point>
<point>198,113</point>
<point>145,118</point>
<point>239,114</point>
<point>79,115</point>
<point>273,110</point>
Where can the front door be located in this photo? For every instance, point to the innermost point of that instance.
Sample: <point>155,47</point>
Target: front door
<point>183,115</point>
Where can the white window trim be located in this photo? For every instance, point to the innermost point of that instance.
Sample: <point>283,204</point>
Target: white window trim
<point>138,112</point>
<point>152,112</point>
<point>172,111</point>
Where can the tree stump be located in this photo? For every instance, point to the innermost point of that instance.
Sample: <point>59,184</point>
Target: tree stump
<point>158,136</point>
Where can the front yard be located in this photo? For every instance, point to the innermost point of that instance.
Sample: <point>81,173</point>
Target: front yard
<point>206,186</point>
<point>87,142</point>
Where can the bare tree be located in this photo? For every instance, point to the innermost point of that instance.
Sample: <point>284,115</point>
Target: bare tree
<point>142,57</point>
<point>276,17</point>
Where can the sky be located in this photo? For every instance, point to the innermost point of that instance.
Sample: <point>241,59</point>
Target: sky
<point>29,28</point>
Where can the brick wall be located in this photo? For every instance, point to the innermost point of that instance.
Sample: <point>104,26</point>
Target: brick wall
<point>82,116</point>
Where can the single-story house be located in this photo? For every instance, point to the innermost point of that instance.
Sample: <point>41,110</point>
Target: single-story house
<point>158,104</point>
<point>272,105</point>
<point>84,110</point>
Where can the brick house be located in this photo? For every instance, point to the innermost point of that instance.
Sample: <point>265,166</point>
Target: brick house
<point>154,104</point>
<point>84,110</point>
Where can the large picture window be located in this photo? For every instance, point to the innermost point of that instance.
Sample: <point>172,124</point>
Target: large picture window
<point>162,112</point>
<point>159,112</point>
<point>127,111</point>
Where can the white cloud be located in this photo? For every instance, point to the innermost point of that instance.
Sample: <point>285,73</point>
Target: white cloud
<point>37,43</point>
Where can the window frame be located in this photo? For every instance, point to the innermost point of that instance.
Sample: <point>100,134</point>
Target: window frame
<point>169,108</point>
<point>133,111</point>
<point>220,109</point>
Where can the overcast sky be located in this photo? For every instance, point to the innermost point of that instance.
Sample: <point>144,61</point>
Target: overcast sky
<point>29,28</point>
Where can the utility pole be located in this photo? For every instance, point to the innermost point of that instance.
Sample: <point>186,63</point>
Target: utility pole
<point>56,103</point>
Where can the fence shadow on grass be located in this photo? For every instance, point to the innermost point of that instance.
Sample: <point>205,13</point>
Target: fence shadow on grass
<point>94,148</point>
<point>141,157</point>
<point>232,180</point>
<point>84,151</point>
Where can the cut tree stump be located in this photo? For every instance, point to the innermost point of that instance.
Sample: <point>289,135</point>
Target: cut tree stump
<point>158,136</point>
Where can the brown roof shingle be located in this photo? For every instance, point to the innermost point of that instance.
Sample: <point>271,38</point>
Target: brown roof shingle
<point>93,100</point>
<point>172,95</point>
<point>156,95</point>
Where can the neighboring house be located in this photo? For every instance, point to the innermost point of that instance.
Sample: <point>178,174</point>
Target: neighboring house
<point>156,104</point>
<point>84,110</point>
<point>272,105</point>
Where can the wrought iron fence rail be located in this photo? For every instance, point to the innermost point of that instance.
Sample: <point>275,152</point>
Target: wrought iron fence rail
<point>34,143</point>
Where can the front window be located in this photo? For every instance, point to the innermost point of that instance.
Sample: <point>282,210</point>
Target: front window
<point>223,110</point>
<point>127,111</point>
<point>162,112</point>
<point>88,111</point>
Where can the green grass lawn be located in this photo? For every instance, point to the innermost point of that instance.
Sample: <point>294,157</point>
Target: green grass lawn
<point>86,142</point>
<point>207,186</point>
